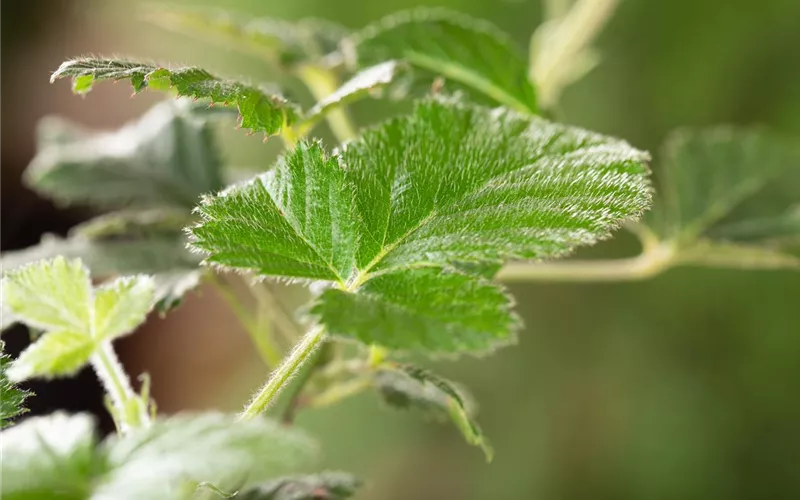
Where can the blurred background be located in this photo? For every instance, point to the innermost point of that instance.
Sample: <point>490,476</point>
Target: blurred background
<point>685,387</point>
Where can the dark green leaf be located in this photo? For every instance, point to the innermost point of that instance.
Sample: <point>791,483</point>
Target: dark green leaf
<point>11,396</point>
<point>473,54</point>
<point>260,110</point>
<point>450,186</point>
<point>406,386</point>
<point>325,485</point>
<point>279,41</point>
<point>167,158</point>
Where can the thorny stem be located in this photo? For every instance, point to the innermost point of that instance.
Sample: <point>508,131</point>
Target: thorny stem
<point>322,82</point>
<point>130,410</point>
<point>288,368</point>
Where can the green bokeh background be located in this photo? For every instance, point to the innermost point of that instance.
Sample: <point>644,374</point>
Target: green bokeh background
<point>686,386</point>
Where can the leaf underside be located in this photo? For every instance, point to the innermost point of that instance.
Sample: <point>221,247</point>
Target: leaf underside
<point>472,54</point>
<point>260,111</point>
<point>325,485</point>
<point>395,219</point>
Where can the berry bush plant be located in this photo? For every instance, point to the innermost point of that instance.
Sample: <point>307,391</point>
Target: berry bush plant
<point>404,232</point>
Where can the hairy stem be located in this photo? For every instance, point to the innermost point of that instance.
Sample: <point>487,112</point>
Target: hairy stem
<point>130,410</point>
<point>301,353</point>
<point>321,82</point>
<point>646,265</point>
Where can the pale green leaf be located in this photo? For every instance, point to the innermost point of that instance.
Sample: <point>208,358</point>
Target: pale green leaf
<point>325,485</point>
<point>167,158</point>
<point>729,197</point>
<point>49,457</point>
<point>162,459</point>
<point>121,306</point>
<point>260,110</point>
<point>57,353</point>
<point>450,186</point>
<point>471,53</point>
<point>427,310</point>
<point>406,386</point>
<point>11,396</point>
<point>279,41</point>
<point>56,294</point>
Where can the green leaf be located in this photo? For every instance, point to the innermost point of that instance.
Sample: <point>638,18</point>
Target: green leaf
<point>209,447</point>
<point>471,53</point>
<point>325,485</point>
<point>49,457</point>
<point>278,41</point>
<point>260,111</point>
<point>406,386</point>
<point>57,353</point>
<point>167,158</point>
<point>406,203</point>
<point>121,306</point>
<point>12,396</point>
<point>729,197</point>
<point>56,457</point>
<point>52,295</point>
<point>427,310</point>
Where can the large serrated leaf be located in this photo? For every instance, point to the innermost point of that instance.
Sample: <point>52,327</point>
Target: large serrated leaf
<point>470,53</point>
<point>167,158</point>
<point>277,40</point>
<point>450,186</point>
<point>730,197</point>
<point>406,386</point>
<point>11,396</point>
<point>260,110</point>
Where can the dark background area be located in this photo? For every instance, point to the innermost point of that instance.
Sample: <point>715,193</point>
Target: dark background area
<point>685,387</point>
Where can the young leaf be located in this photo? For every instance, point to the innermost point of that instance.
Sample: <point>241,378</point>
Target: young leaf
<point>11,396</point>
<point>260,111</point>
<point>209,447</point>
<point>57,296</point>
<point>279,41</point>
<point>325,485</point>
<point>167,158</point>
<point>471,53</point>
<point>448,185</point>
<point>726,187</point>
<point>406,386</point>
<point>49,457</point>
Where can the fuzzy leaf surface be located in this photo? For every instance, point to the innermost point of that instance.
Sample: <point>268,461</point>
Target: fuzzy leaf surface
<point>327,485</point>
<point>58,353</point>
<point>411,387</point>
<point>279,41</point>
<point>11,396</point>
<point>727,192</point>
<point>260,110</point>
<point>121,306</point>
<point>471,53</point>
<point>408,203</point>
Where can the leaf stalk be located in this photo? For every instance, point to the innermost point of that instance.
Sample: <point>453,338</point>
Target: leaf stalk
<point>130,410</point>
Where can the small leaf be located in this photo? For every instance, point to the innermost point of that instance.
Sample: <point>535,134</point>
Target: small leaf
<point>325,485</point>
<point>58,353</point>
<point>121,306</point>
<point>49,457</point>
<point>209,447</point>
<point>279,41</point>
<point>11,396</point>
<point>450,186</point>
<point>261,111</point>
<point>167,158</point>
<point>50,295</point>
<point>406,386</point>
<point>474,54</point>
<point>729,197</point>
<point>426,310</point>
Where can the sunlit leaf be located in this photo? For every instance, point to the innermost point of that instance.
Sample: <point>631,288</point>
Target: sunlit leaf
<point>58,353</point>
<point>121,306</point>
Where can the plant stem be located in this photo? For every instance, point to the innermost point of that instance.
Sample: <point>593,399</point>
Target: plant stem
<point>131,411</point>
<point>288,368</point>
<point>646,265</point>
<point>341,391</point>
<point>322,82</point>
<point>260,338</point>
<point>318,358</point>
